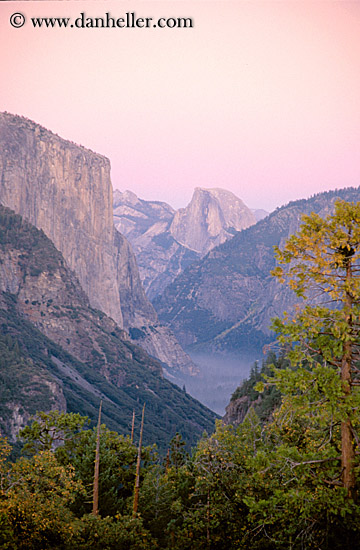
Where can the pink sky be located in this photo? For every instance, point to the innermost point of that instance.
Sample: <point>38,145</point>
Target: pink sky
<point>261,98</point>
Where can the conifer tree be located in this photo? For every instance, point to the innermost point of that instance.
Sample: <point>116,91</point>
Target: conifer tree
<point>322,265</point>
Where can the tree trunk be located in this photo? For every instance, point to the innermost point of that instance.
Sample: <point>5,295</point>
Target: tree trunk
<point>137,477</point>
<point>347,438</point>
<point>95,510</point>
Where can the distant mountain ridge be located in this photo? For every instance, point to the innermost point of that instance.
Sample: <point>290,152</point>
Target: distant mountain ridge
<point>259,213</point>
<point>166,241</point>
<point>225,301</point>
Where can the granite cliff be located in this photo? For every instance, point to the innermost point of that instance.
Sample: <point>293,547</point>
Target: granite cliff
<point>225,302</point>
<point>146,224</point>
<point>65,190</point>
<point>59,352</point>
<point>166,241</point>
<point>211,218</point>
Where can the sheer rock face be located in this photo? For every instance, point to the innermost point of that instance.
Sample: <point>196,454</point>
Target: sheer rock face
<point>166,242</point>
<point>140,317</point>
<point>236,411</point>
<point>211,218</point>
<point>65,190</point>
<point>136,309</point>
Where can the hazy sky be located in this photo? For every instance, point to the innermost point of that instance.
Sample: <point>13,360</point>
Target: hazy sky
<point>261,98</point>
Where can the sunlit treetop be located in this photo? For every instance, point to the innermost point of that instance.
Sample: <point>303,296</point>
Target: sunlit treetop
<point>318,258</point>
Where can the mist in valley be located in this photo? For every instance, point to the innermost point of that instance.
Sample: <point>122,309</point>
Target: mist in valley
<point>218,378</point>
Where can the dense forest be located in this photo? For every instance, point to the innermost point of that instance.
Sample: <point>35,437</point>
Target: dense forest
<point>286,478</point>
<point>260,485</point>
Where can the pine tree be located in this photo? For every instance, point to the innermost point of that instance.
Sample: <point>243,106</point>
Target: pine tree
<point>323,334</point>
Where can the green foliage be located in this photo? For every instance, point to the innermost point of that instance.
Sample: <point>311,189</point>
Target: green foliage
<point>36,499</point>
<point>322,257</point>
<point>136,333</point>
<point>119,533</point>
<point>322,338</point>
<point>295,496</point>
<point>169,409</point>
<point>177,452</point>
<point>50,429</point>
<point>117,470</point>
<point>22,382</point>
<point>259,486</point>
<point>74,447</point>
<point>164,499</point>
<point>35,496</point>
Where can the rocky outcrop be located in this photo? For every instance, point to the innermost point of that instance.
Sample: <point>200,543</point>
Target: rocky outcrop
<point>65,190</point>
<point>237,410</point>
<point>166,242</point>
<point>134,217</point>
<point>136,309</point>
<point>225,302</point>
<point>159,342</point>
<point>146,224</point>
<point>212,217</point>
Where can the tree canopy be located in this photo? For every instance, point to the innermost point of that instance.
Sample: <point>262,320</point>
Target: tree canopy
<point>321,264</point>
